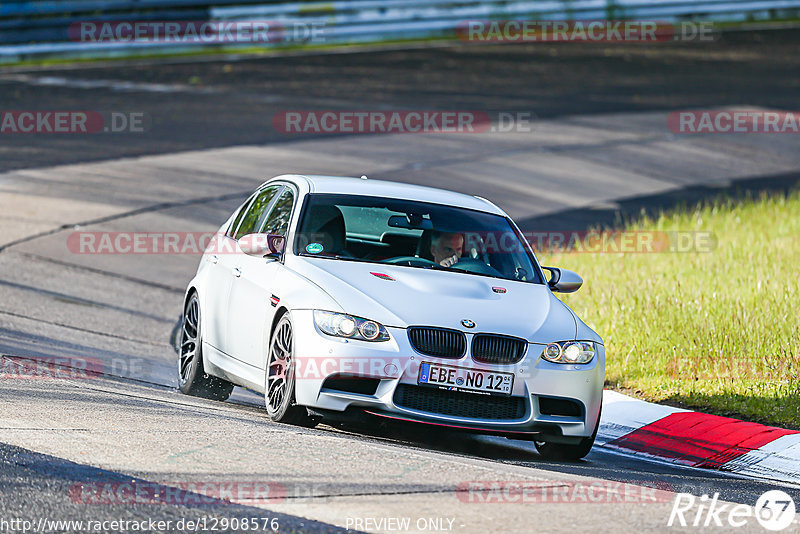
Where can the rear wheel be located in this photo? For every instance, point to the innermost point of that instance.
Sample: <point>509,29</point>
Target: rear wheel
<point>280,378</point>
<point>192,378</point>
<point>570,453</point>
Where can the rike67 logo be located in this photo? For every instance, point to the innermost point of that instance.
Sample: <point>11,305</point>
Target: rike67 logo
<point>774,511</point>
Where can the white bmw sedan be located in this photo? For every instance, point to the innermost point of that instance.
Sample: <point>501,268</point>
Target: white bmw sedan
<point>348,297</point>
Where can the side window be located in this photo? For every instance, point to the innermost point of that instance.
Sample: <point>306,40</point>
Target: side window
<point>237,220</point>
<point>256,211</point>
<point>278,220</point>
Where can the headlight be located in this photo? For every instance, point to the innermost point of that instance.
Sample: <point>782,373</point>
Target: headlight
<point>349,326</point>
<point>569,352</point>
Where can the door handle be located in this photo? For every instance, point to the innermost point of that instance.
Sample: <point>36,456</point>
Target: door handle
<point>214,259</point>
<point>237,272</point>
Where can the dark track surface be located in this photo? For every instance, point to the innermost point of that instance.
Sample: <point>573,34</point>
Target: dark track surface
<point>37,486</point>
<point>214,103</point>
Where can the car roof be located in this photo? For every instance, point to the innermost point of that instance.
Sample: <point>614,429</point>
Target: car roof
<point>387,189</point>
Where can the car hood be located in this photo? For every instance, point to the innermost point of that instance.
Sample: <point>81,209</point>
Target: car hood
<point>423,297</point>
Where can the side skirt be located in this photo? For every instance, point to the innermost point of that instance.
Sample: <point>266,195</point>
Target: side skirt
<point>219,364</point>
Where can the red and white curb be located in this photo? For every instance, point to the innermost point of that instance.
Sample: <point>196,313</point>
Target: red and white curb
<point>693,439</point>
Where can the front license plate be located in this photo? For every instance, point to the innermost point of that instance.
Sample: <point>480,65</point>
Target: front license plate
<point>462,379</point>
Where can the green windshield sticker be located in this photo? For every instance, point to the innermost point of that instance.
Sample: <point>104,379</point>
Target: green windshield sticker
<point>314,248</point>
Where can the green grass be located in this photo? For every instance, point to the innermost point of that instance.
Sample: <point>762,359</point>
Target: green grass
<point>716,331</point>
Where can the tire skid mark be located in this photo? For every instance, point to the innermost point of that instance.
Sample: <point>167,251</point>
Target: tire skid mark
<point>131,213</point>
<point>103,272</point>
<point>79,329</point>
<point>71,299</point>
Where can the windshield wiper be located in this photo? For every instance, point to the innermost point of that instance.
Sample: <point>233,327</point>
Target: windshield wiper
<point>438,267</point>
<point>455,269</point>
<point>433,267</point>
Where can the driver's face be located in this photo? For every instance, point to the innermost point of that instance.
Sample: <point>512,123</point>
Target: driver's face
<point>447,246</point>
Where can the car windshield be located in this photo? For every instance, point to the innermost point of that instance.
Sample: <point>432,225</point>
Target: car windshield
<point>413,234</point>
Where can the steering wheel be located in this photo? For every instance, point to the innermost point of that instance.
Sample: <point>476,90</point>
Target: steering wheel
<point>411,261</point>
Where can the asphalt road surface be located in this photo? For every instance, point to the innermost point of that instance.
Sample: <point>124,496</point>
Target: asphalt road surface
<point>599,151</point>
<point>206,104</point>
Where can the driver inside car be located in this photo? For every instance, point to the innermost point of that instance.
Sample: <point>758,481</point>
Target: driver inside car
<point>446,248</point>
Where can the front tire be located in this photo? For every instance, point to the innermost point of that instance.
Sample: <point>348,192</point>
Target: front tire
<point>280,378</point>
<point>192,378</point>
<point>565,452</point>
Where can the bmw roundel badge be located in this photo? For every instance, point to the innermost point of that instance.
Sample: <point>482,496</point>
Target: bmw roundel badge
<point>468,324</point>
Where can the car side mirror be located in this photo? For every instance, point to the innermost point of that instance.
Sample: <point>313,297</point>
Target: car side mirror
<point>563,280</point>
<point>262,245</point>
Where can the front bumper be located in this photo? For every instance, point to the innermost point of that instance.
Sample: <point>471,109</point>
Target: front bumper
<point>395,366</point>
